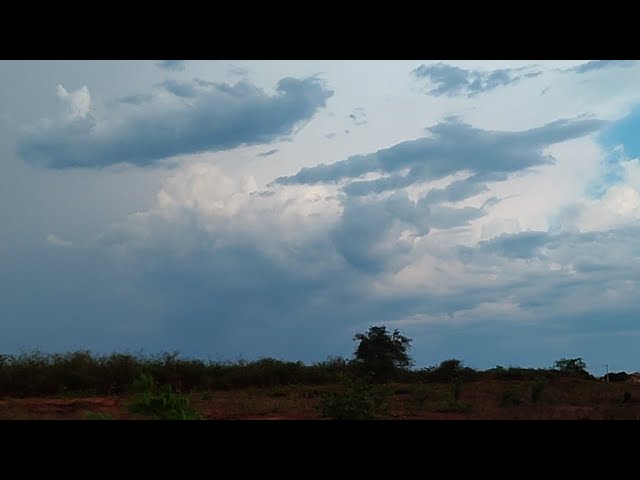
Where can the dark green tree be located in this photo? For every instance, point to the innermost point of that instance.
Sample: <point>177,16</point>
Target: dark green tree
<point>380,353</point>
<point>450,369</point>
<point>571,366</point>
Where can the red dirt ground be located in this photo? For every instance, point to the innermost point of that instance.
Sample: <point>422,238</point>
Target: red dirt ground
<point>562,400</point>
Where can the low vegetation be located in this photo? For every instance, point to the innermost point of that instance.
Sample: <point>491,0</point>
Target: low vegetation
<point>377,382</point>
<point>33,374</point>
<point>360,399</point>
<point>160,402</point>
<point>96,416</point>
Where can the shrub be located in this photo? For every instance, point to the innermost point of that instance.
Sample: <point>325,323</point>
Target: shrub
<point>452,370</point>
<point>510,398</point>
<point>518,373</point>
<point>457,389</point>
<point>536,389</point>
<point>617,377</point>
<point>160,402</point>
<point>40,374</point>
<point>361,401</point>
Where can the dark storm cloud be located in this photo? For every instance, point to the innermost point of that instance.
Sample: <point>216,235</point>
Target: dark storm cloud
<point>452,147</point>
<point>213,118</point>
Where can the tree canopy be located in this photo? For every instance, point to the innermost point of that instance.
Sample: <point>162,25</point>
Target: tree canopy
<point>380,353</point>
<point>571,366</point>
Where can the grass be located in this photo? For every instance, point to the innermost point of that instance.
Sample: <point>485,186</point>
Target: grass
<point>480,399</point>
<point>359,400</point>
<point>160,402</point>
<point>89,415</point>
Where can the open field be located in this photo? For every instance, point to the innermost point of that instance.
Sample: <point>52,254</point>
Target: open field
<point>80,385</point>
<point>560,399</point>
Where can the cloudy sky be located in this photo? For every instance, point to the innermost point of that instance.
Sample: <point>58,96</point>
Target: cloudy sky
<point>488,209</point>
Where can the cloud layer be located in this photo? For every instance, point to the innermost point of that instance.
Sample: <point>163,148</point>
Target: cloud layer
<point>481,237</point>
<point>188,118</point>
<point>594,65</point>
<point>451,81</point>
<point>452,147</point>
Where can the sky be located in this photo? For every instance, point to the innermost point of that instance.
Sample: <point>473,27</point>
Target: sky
<point>488,209</point>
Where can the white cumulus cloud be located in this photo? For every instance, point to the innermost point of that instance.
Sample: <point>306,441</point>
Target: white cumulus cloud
<point>78,102</point>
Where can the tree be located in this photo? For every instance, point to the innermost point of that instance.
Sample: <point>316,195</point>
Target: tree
<point>572,366</point>
<point>450,370</point>
<point>380,353</point>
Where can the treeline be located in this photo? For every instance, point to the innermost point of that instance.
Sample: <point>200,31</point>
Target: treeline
<point>81,372</point>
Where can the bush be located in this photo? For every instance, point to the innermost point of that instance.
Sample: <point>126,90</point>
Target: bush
<point>452,370</point>
<point>160,402</point>
<point>457,389</point>
<point>38,374</point>
<point>510,398</point>
<point>617,377</point>
<point>536,389</point>
<point>361,401</point>
<point>518,373</point>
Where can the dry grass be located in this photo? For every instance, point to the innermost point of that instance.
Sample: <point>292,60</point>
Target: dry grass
<point>561,398</point>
